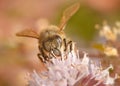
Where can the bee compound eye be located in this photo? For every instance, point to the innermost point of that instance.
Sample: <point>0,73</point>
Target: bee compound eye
<point>47,45</point>
<point>55,44</point>
<point>56,52</point>
<point>57,41</point>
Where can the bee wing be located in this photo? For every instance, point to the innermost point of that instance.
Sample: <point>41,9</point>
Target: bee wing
<point>70,11</point>
<point>28,33</point>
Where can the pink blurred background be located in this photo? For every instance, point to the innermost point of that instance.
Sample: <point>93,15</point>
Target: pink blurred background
<point>18,56</point>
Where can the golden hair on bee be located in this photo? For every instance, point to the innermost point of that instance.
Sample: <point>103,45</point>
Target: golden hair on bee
<point>52,40</point>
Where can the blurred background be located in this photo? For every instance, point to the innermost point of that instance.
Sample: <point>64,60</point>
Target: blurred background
<point>18,55</point>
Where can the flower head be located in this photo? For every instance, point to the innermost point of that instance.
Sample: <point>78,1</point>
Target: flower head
<point>71,71</point>
<point>108,32</point>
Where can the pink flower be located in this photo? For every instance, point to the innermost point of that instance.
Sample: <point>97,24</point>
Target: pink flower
<point>72,71</point>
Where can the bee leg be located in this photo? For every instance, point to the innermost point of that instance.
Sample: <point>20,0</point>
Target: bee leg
<point>67,44</point>
<point>71,46</point>
<point>41,58</point>
<point>44,56</point>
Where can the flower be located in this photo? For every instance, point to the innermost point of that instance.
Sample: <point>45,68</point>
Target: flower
<point>110,51</point>
<point>72,71</point>
<point>111,46</point>
<point>108,32</point>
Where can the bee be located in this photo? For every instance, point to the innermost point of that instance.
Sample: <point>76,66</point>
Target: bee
<point>52,40</point>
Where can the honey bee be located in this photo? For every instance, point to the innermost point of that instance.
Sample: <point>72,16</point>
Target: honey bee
<point>52,40</point>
